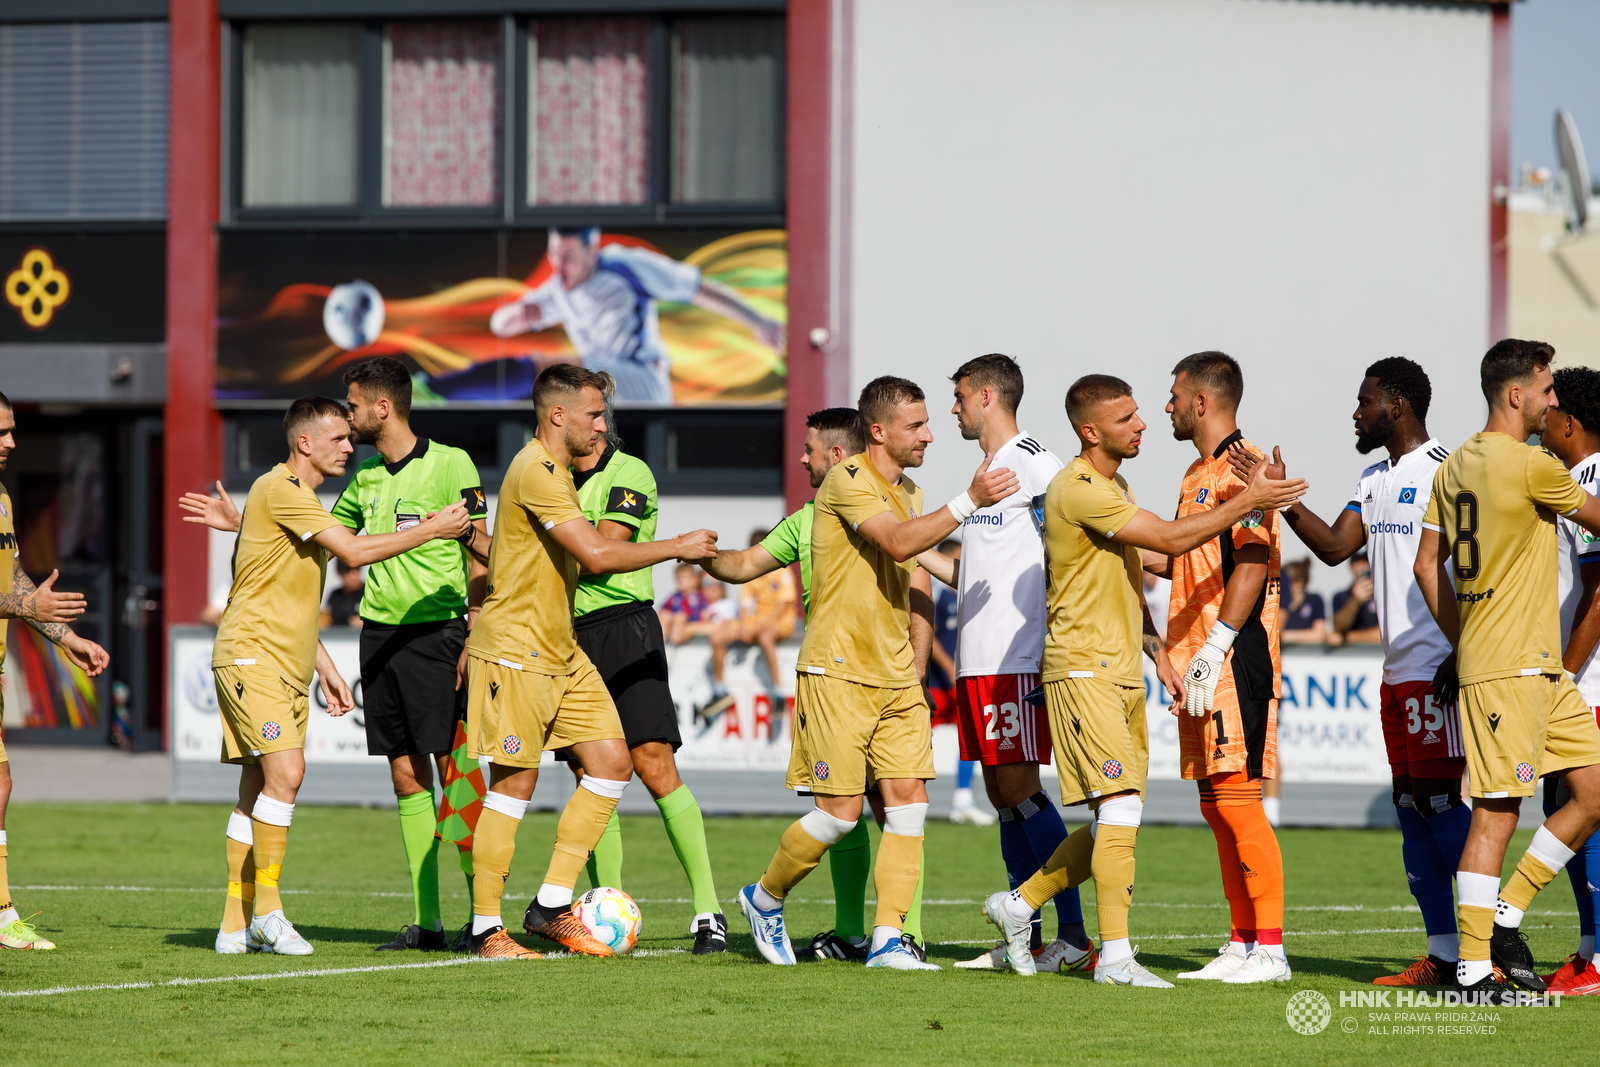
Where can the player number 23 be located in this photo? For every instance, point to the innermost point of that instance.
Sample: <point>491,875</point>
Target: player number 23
<point>1007,715</point>
<point>1415,712</point>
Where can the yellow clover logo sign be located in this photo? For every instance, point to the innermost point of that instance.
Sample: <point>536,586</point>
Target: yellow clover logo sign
<point>37,288</point>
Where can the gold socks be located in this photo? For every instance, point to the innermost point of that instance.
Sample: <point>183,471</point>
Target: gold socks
<point>898,870</point>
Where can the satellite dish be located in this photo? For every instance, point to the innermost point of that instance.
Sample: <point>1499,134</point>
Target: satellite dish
<point>353,315</point>
<point>1570,148</point>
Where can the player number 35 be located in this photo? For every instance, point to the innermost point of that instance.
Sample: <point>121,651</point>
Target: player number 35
<point>1415,712</point>
<point>1009,717</point>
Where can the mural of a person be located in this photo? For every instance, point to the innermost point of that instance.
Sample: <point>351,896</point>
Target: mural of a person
<point>605,298</point>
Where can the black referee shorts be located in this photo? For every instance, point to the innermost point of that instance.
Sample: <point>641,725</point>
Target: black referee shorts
<point>626,646</point>
<point>408,686</point>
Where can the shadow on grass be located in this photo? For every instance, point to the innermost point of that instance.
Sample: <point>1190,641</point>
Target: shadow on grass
<point>206,937</point>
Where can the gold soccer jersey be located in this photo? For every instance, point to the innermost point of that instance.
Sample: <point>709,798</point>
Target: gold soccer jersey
<point>526,621</point>
<point>1496,501</point>
<point>278,575</point>
<point>860,597</point>
<point>1228,740</point>
<point>1095,614</point>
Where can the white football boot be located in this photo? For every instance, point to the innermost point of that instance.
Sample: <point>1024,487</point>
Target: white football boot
<point>1260,966</point>
<point>274,933</point>
<point>772,940</point>
<point>896,956</point>
<point>993,959</point>
<point>1219,969</point>
<point>1062,958</point>
<point>235,943</point>
<point>1128,972</point>
<point>1018,933</point>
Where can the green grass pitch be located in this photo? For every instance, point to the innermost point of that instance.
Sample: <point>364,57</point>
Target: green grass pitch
<point>132,894</point>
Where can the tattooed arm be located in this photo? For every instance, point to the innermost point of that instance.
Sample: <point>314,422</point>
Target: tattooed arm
<point>49,611</point>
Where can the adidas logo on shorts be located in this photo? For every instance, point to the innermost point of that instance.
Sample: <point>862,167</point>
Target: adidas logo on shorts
<point>1431,738</point>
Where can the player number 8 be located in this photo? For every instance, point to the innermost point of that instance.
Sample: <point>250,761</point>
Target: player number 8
<point>1414,709</point>
<point>1466,537</point>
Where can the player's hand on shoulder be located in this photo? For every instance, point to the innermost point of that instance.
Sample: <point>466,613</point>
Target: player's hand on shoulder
<point>1268,492</point>
<point>989,487</point>
<point>697,547</point>
<point>450,522</point>
<point>217,512</point>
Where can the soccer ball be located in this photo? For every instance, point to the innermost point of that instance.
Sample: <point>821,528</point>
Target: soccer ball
<point>611,916</point>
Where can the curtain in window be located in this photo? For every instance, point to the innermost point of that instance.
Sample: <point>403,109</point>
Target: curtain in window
<point>727,101</point>
<point>588,111</point>
<point>83,121</point>
<point>441,114</point>
<point>300,110</point>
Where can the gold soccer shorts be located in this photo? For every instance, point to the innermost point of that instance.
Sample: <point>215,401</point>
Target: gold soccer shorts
<point>514,716</point>
<point>1101,743</point>
<point>1519,729</point>
<point>843,731</point>
<point>262,711</point>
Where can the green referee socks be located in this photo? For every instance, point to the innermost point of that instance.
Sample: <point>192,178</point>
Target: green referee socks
<point>605,862</point>
<point>850,863</point>
<point>686,829</point>
<point>417,823</point>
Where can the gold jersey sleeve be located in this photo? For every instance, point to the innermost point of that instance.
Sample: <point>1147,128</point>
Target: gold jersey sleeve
<point>278,576</point>
<point>858,629</point>
<point>1095,588</point>
<point>1496,501</point>
<point>526,619</point>
<point>8,555</point>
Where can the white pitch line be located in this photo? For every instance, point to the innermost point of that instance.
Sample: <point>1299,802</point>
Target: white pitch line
<point>326,972</point>
<point>1213,935</point>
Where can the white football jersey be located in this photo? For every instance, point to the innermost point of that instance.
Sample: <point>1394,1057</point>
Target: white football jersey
<point>1578,547</point>
<point>1001,615</point>
<point>1391,498</point>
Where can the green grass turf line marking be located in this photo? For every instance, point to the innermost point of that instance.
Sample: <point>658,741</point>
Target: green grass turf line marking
<point>322,973</point>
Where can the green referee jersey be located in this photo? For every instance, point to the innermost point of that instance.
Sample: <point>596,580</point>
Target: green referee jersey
<point>620,488</point>
<point>428,583</point>
<point>790,541</point>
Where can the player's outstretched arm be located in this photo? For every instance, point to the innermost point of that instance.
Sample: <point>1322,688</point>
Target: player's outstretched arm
<point>903,540</point>
<point>745,565</point>
<point>1174,538</point>
<point>722,300</point>
<point>446,524</point>
<point>217,512</point>
<point>598,554</point>
<point>1331,544</point>
<point>945,568</point>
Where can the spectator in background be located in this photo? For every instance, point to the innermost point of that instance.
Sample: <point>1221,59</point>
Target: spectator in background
<point>719,624</point>
<point>1355,616</point>
<point>344,603</point>
<point>683,607</point>
<point>1303,615</point>
<point>942,690</point>
<point>766,612</point>
<point>211,614</point>
<point>1158,596</point>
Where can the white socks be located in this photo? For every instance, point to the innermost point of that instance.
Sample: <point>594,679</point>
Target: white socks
<point>906,820</point>
<point>824,827</point>
<point>510,807</point>
<point>1470,971</point>
<point>272,812</point>
<point>555,896</point>
<point>765,900</point>
<point>1238,948</point>
<point>1507,915</point>
<point>1115,949</point>
<point>883,935</point>
<point>481,923</point>
<point>239,828</point>
<point>604,787</point>
<point>1445,946</point>
<point>1018,908</point>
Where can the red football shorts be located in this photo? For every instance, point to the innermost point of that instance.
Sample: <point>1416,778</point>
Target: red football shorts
<point>1422,737</point>
<point>944,706</point>
<point>996,725</point>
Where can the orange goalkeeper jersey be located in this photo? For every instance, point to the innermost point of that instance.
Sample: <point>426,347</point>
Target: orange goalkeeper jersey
<point>1226,741</point>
